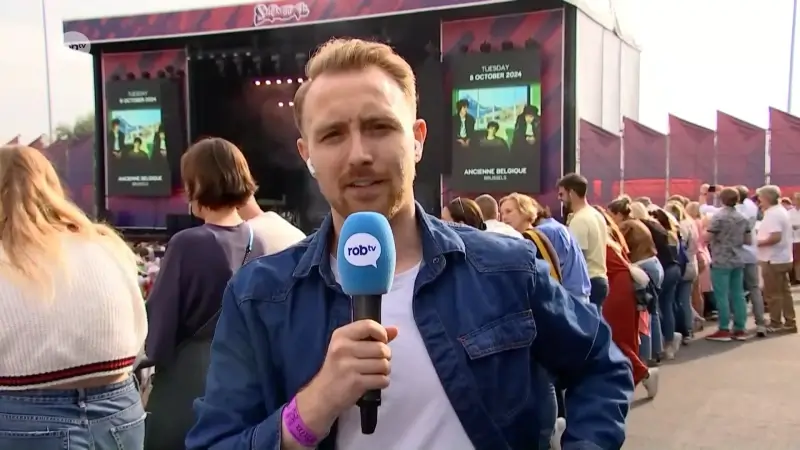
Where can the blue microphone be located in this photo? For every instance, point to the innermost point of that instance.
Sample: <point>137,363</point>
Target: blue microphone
<point>365,261</point>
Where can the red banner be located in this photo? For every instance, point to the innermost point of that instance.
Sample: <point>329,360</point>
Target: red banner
<point>691,157</point>
<point>740,152</point>
<point>600,153</point>
<point>645,161</point>
<point>784,151</point>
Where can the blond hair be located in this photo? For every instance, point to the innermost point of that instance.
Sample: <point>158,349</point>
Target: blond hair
<point>639,211</point>
<point>34,216</point>
<point>525,204</point>
<point>346,55</point>
<point>693,210</point>
<point>677,210</point>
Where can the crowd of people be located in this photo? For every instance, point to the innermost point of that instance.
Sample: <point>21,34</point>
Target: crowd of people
<point>247,336</point>
<point>657,274</point>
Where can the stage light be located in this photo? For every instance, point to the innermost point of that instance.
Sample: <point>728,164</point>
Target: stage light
<point>300,80</point>
<point>486,47</point>
<point>130,76</point>
<point>268,82</point>
<point>507,45</point>
<point>258,83</point>
<point>291,103</point>
<point>257,64</point>
<point>146,75</point>
<point>277,81</point>
<point>280,104</point>
<point>433,51</point>
<point>276,62</point>
<point>288,81</point>
<point>531,44</point>
<point>221,66</point>
<point>237,61</point>
<point>300,59</point>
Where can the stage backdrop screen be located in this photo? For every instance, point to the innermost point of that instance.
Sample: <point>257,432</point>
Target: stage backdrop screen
<point>141,133</point>
<point>496,121</point>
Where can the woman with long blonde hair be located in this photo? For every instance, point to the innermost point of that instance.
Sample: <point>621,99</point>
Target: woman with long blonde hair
<point>685,315</point>
<point>73,322</point>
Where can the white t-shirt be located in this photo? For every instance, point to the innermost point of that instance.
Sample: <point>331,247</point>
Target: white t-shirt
<point>708,210</point>
<point>415,412</point>
<point>776,220</point>
<point>278,234</point>
<point>794,218</point>
<point>495,226</point>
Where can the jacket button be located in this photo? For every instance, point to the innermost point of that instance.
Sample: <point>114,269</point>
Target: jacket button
<point>436,260</point>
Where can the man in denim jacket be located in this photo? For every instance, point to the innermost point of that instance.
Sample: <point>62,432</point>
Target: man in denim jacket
<point>469,314</point>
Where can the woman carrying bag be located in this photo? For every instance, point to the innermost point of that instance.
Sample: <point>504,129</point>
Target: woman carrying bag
<point>185,302</point>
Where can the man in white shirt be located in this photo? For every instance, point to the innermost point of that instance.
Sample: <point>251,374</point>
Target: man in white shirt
<point>490,210</point>
<point>748,208</point>
<point>707,209</point>
<point>774,243</point>
<point>794,218</point>
<point>278,234</point>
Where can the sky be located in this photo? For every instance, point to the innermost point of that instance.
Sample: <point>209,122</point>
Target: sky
<point>697,56</point>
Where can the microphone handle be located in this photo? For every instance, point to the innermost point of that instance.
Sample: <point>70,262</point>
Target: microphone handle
<point>368,307</point>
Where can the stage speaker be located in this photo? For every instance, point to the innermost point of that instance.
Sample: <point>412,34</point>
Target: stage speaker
<point>179,222</point>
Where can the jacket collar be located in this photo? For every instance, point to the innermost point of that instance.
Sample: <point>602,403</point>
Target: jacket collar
<point>438,239</point>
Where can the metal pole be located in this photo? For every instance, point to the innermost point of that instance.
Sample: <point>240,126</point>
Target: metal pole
<point>47,72</point>
<point>791,58</point>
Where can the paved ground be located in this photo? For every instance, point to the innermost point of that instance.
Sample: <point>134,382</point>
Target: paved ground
<point>723,396</point>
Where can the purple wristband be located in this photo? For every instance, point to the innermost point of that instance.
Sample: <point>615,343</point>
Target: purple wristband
<point>296,427</point>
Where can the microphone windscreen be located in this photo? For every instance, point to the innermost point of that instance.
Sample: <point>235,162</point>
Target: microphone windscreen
<point>365,257</point>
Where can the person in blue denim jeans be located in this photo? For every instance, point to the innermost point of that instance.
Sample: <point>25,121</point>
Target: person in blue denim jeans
<point>728,233</point>
<point>684,313</point>
<point>668,248</point>
<point>103,418</point>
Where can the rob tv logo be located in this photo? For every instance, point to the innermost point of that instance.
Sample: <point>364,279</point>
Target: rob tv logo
<point>362,249</point>
<point>77,41</point>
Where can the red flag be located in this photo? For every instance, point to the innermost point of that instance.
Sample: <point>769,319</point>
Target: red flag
<point>691,157</point>
<point>784,149</point>
<point>645,161</point>
<point>740,152</point>
<point>600,161</point>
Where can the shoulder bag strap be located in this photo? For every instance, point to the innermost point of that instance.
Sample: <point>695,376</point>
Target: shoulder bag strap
<point>212,322</point>
<point>545,248</point>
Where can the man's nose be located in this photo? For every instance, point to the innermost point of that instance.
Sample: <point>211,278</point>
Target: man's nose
<point>358,153</point>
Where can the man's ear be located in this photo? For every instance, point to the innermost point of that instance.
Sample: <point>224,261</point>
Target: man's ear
<point>420,133</point>
<point>302,148</point>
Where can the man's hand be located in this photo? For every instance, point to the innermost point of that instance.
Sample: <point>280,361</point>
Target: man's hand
<point>357,361</point>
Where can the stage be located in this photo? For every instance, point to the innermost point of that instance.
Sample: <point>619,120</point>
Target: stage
<point>496,82</point>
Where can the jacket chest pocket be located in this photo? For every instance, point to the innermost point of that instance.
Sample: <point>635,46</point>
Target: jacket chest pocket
<point>500,359</point>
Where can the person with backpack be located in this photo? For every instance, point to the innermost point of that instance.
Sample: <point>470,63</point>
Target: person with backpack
<point>622,306</point>
<point>528,217</point>
<point>685,316</point>
<point>555,243</point>
<point>673,259</point>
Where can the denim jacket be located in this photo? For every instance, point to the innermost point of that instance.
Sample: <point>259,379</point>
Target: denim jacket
<point>489,314</point>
